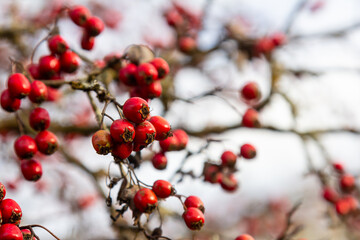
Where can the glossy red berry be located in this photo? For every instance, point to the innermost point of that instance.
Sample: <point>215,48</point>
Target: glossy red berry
<point>46,142</point>
<point>194,218</point>
<point>182,138</point>
<point>145,133</point>
<point>212,173</point>
<point>25,147</point>
<point>145,200</point>
<point>229,183</point>
<point>228,159</point>
<point>102,142</point>
<point>122,150</point>
<point>169,144</point>
<point>248,151</point>
<point>34,70</point>
<point>79,15</point>
<point>194,201</point>
<point>31,169</point>
<point>244,237</point>
<point>69,62</point>
<point>2,192</point>
<point>8,103</point>
<point>251,119</point>
<point>153,90</point>
<point>49,66</point>
<point>11,211</point>
<point>187,44</point>
<point>87,42</point>
<point>146,73</point>
<point>162,127</point>
<point>347,183</point>
<point>250,92</point>
<point>38,92</point>
<point>10,232</point>
<point>122,130</point>
<point>127,74</point>
<point>329,194</point>
<point>161,66</point>
<point>163,189</point>
<point>57,44</point>
<point>338,167</point>
<point>39,119</point>
<point>94,26</point>
<point>136,109</point>
<point>159,161</point>
<point>18,85</point>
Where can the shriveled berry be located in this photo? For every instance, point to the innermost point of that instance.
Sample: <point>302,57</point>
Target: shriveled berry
<point>146,73</point>
<point>136,109</point>
<point>145,200</point>
<point>251,119</point>
<point>159,161</point>
<point>162,127</point>
<point>11,211</point>
<point>194,201</point>
<point>49,66</point>
<point>194,218</point>
<point>127,74</point>
<point>122,130</point>
<point>347,183</point>
<point>171,143</point>
<point>182,138</point>
<point>69,62</point>
<point>8,103</point>
<point>46,142</point>
<point>228,159</point>
<point>87,42</point>
<point>2,192</point>
<point>38,92</point>
<point>39,119</point>
<point>161,66</point>
<point>94,26</point>
<point>145,133</point>
<point>25,147</point>
<point>244,237</point>
<point>57,44</point>
<point>229,183</point>
<point>79,15</point>
<point>102,142</point>
<point>329,194</point>
<point>251,92</point>
<point>31,169</point>
<point>10,232</point>
<point>163,189</point>
<point>248,151</point>
<point>18,85</point>
<point>122,150</point>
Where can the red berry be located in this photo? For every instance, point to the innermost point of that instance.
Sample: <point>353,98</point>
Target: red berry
<point>46,142</point>
<point>248,151</point>
<point>174,18</point>
<point>338,167</point>
<point>69,61</point>
<point>330,194</point>
<point>145,133</point>
<point>79,15</point>
<point>27,234</point>
<point>278,39</point>
<point>159,161</point>
<point>136,109</point>
<point>347,183</point>
<point>343,206</point>
<point>49,66</point>
<point>94,26</point>
<point>25,147</point>
<point>228,159</point>
<point>8,103</point>
<point>102,142</point>
<point>2,193</point>
<point>244,237</point>
<point>182,138</point>
<point>39,119</point>
<point>163,189</point>
<point>122,150</point>
<point>57,44</point>
<point>145,200</point>
<point>229,183</point>
<point>53,94</point>
<point>18,85</point>
<point>153,90</point>
<point>251,92</point>
<point>140,92</point>
<point>194,218</point>
<point>87,42</point>
<point>11,211</point>
<point>122,131</point>
<point>39,92</point>
<point>10,232</point>
<point>169,144</point>
<point>146,74</point>
<point>187,44</point>
<point>127,74</point>
<point>162,127</point>
<point>195,202</point>
<point>264,45</point>
<point>31,169</point>
<point>251,119</point>
<point>161,66</point>
<point>34,70</point>
<point>212,173</point>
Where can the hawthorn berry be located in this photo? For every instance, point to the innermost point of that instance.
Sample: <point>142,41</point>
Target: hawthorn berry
<point>145,200</point>
<point>338,167</point>
<point>2,192</point>
<point>102,142</point>
<point>347,183</point>
<point>31,169</point>
<point>162,127</point>
<point>57,44</point>
<point>69,62</point>
<point>250,92</point>
<point>264,45</point>
<point>127,74</point>
<point>136,109</point>
<point>145,133</point>
<point>187,44</point>
<point>244,237</point>
<point>53,94</point>
<point>46,142</point>
<point>182,138</point>
<point>122,130</point>
<point>212,173</point>
<point>122,150</point>
<point>194,201</point>
<point>343,206</point>
<point>49,66</point>
<point>25,147</point>
<point>39,119</point>
<point>153,90</point>
<point>159,161</point>
<point>251,119</point>
<point>146,73</point>
<point>228,159</point>
<point>18,85</point>
<point>140,92</point>
<point>11,211</point>
<point>171,143</point>
<point>27,234</point>
<point>278,39</point>
<point>248,151</point>
<point>8,103</point>
<point>194,218</point>
<point>34,70</point>
<point>174,18</point>
<point>79,15</point>
<point>163,189</point>
<point>161,66</point>
<point>229,183</point>
<point>87,42</point>
<point>10,232</point>
<point>38,92</point>
<point>94,26</point>
<point>329,194</point>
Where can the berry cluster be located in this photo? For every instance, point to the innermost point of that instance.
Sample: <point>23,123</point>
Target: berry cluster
<point>343,198</point>
<point>250,94</point>
<point>144,79</point>
<point>223,173</point>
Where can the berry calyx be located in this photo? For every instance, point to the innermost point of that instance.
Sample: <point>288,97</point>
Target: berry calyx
<point>25,147</point>
<point>46,142</point>
<point>39,119</point>
<point>31,169</point>
<point>102,142</point>
<point>94,26</point>
<point>8,103</point>
<point>162,127</point>
<point>10,232</point>
<point>38,92</point>
<point>49,66</point>
<point>251,119</point>
<point>57,44</point>
<point>248,151</point>
<point>79,15</point>
<point>136,110</point>
<point>228,159</point>
<point>163,189</point>
<point>69,62</point>
<point>122,150</point>
<point>159,161</point>
<point>122,130</point>
<point>2,192</point>
<point>194,201</point>
<point>251,92</point>
<point>161,66</point>
<point>146,73</point>
<point>18,85</point>
<point>145,200</point>
<point>11,211</point>
<point>194,218</point>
